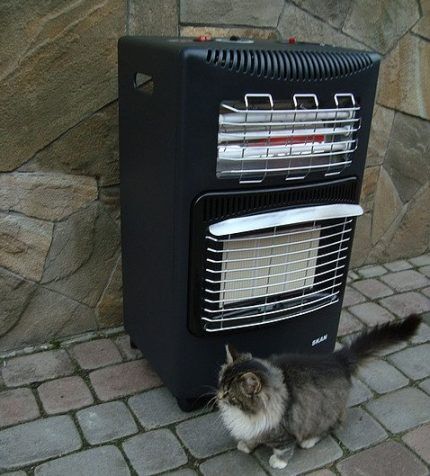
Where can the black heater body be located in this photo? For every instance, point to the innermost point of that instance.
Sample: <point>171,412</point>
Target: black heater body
<point>241,170</point>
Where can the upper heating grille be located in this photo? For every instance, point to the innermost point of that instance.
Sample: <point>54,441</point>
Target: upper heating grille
<point>261,137</point>
<point>271,273</point>
<point>290,65</point>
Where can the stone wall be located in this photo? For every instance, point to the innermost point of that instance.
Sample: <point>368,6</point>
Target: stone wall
<point>60,269</point>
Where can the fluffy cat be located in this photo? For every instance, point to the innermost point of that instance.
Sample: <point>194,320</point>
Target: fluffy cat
<point>295,399</point>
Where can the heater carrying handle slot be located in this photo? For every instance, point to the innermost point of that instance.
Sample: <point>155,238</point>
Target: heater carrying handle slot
<point>294,216</point>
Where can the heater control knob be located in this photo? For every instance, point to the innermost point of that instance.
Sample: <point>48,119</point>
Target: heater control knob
<point>202,38</point>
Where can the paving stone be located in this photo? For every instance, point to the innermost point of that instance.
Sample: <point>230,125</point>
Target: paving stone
<point>422,335</point>
<point>323,453</point>
<point>104,461</point>
<point>360,430</point>
<point>321,472</point>
<point>372,271</point>
<point>425,270</point>
<point>106,422</point>
<point>123,343</point>
<point>371,314</point>
<point>419,441</point>
<point>406,280</point>
<point>123,379</point>
<point>96,353</point>
<point>205,435</point>
<point>372,288</point>
<point>183,472</point>
<point>352,275</point>
<point>348,324</point>
<point>154,452</point>
<point>400,265</point>
<point>426,291</point>
<point>15,473</point>
<point>382,377</point>
<point>425,385</point>
<point>352,296</point>
<point>402,409</point>
<point>36,368</point>
<point>422,260</point>
<point>359,393</point>
<point>17,406</point>
<point>407,303</point>
<point>229,463</point>
<point>387,459</point>
<point>392,348</point>
<point>38,440</point>
<point>158,408</point>
<point>64,394</point>
<point>413,361</point>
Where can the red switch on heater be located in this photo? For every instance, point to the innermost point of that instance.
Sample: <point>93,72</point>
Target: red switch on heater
<point>203,38</point>
<point>292,40</point>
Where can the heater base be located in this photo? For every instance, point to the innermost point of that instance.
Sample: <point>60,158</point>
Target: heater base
<point>192,404</point>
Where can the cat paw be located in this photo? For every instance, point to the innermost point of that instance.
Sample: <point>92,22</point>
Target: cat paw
<point>309,443</point>
<point>242,446</point>
<point>277,463</point>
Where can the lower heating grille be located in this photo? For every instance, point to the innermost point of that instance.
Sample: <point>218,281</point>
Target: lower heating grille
<point>258,277</point>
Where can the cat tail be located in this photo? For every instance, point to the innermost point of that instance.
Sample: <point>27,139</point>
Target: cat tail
<point>367,343</point>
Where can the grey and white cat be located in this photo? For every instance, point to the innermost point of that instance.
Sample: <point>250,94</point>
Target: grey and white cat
<point>295,399</point>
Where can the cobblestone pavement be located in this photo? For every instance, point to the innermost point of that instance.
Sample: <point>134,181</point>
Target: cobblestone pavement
<point>93,406</point>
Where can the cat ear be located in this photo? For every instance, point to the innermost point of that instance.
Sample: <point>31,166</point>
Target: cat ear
<point>231,353</point>
<point>250,383</point>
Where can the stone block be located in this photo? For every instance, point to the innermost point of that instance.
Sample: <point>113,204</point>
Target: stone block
<point>402,409</point>
<point>96,353</point>
<point>65,394</point>
<point>400,82</point>
<point>59,69</point>
<point>360,430</point>
<point>227,32</point>
<point>37,441</point>
<point>372,288</point>
<point>106,422</point>
<point>103,461</point>
<point>90,148</point>
<point>390,21</point>
<point>123,379</point>
<point>109,309</point>
<point>418,441</point>
<point>348,324</point>
<point>422,335</point>
<point>154,452</point>
<point>423,260</point>
<point>333,12</point>
<point>153,17</point>
<point>371,271</point>
<point>383,460</point>
<point>48,316</point>
<point>17,406</point>
<point>227,12</point>
<point>387,206</point>
<point>359,393</point>
<point>406,303</point>
<point>413,361</point>
<point>234,462</point>
<point>407,280</point>
<point>371,314</point>
<point>205,435</point>
<point>157,408</point>
<point>382,121</point>
<point>46,195</point>
<point>322,454</point>
<point>83,254</point>
<point>24,244</point>
<point>36,368</point>
<point>352,297</point>
<point>382,377</point>
<point>15,293</point>
<point>399,265</point>
<point>296,22</point>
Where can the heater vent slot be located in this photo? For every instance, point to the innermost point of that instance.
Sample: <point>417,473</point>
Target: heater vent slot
<point>265,276</point>
<point>290,65</point>
<point>215,207</point>
<point>259,137</point>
